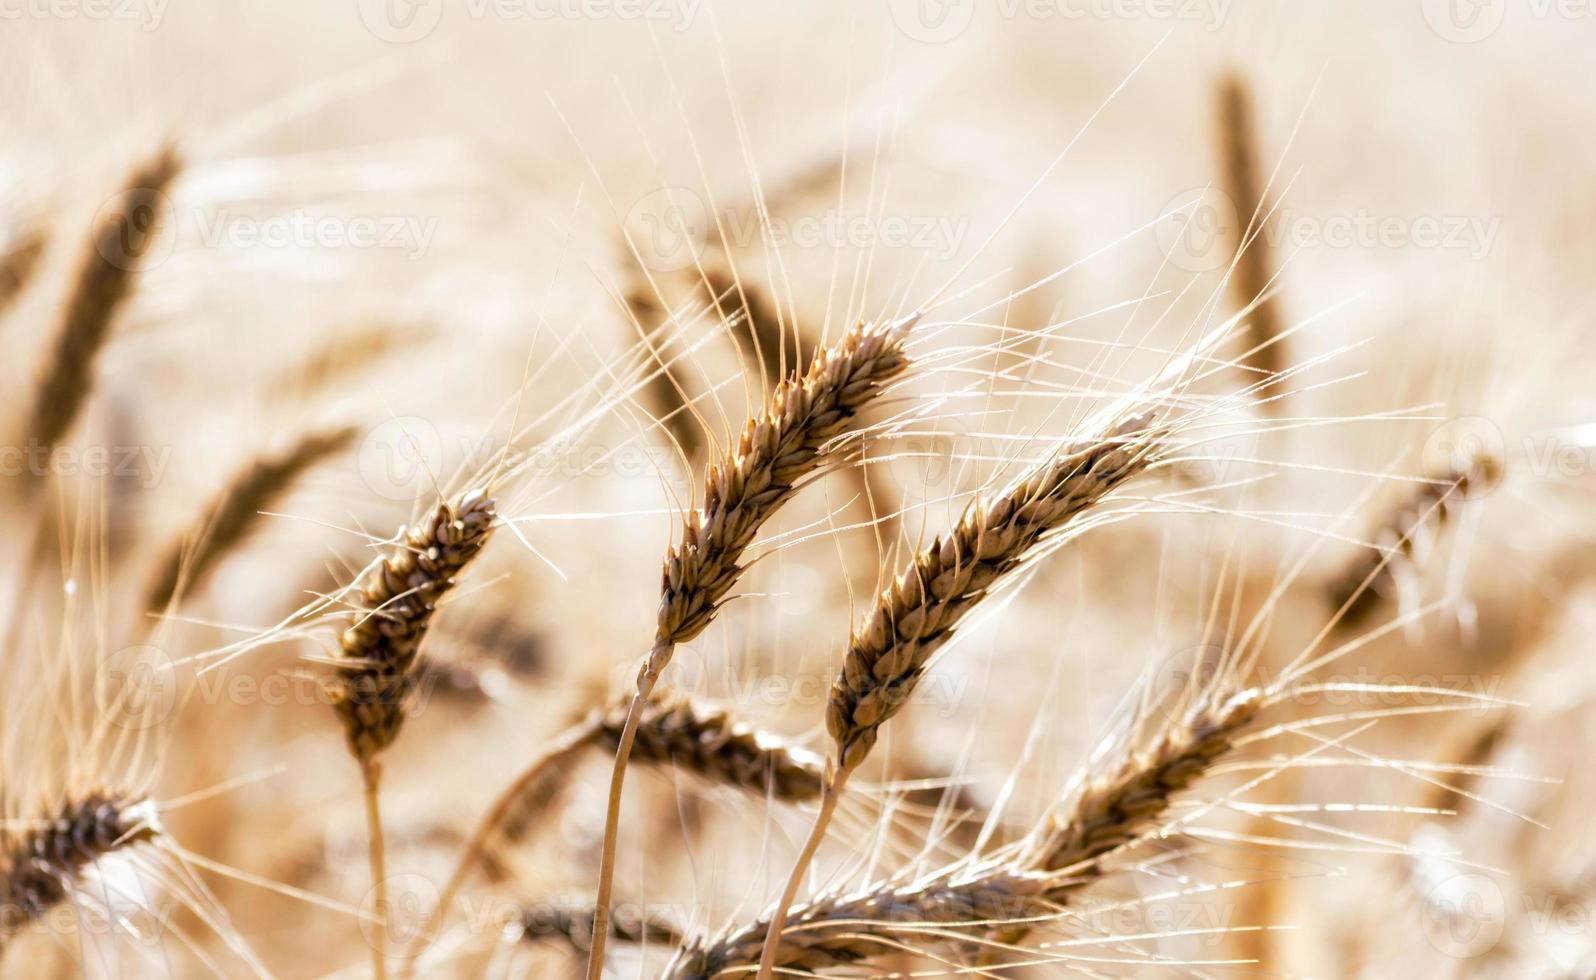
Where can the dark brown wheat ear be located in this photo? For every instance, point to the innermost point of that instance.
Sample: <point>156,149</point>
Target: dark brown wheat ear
<point>41,865</point>
<point>106,277</point>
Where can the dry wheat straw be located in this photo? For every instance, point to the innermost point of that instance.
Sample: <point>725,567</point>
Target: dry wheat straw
<point>236,511</point>
<point>1251,271</point>
<point>917,614</point>
<point>777,451</point>
<point>104,280</point>
<point>982,905</point>
<point>1407,534</point>
<point>40,865</point>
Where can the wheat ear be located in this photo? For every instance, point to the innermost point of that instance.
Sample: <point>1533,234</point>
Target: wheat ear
<point>236,511</point>
<point>377,656</point>
<point>104,280</point>
<point>40,865</point>
<point>777,451</point>
<point>1251,271</point>
<point>918,613</point>
<point>575,927</point>
<point>1021,884</point>
<point>1407,534</point>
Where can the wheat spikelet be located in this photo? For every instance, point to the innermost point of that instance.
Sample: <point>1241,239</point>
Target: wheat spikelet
<point>1408,533</point>
<point>918,613</point>
<point>40,865</point>
<point>676,730</point>
<point>18,264</point>
<point>1251,272</point>
<point>400,594</point>
<point>237,510</point>
<point>103,281</point>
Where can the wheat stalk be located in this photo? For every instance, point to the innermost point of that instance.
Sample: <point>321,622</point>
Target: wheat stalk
<point>236,511</point>
<point>41,864</point>
<point>104,280</point>
<point>777,451</point>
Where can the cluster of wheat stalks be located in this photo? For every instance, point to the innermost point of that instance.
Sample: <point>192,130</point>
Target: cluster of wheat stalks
<point>149,827</point>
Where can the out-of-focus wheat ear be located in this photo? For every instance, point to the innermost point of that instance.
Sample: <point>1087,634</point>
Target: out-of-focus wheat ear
<point>1406,534</point>
<point>664,389</point>
<point>707,741</point>
<point>1251,269</point>
<point>556,921</point>
<point>104,280</point>
<point>19,262</point>
<point>766,345</point>
<point>779,450</point>
<point>41,865</point>
<point>236,511</point>
<point>377,657</point>
<point>345,354</point>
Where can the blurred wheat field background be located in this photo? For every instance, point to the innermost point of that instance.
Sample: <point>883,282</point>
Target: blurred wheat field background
<point>683,489</point>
